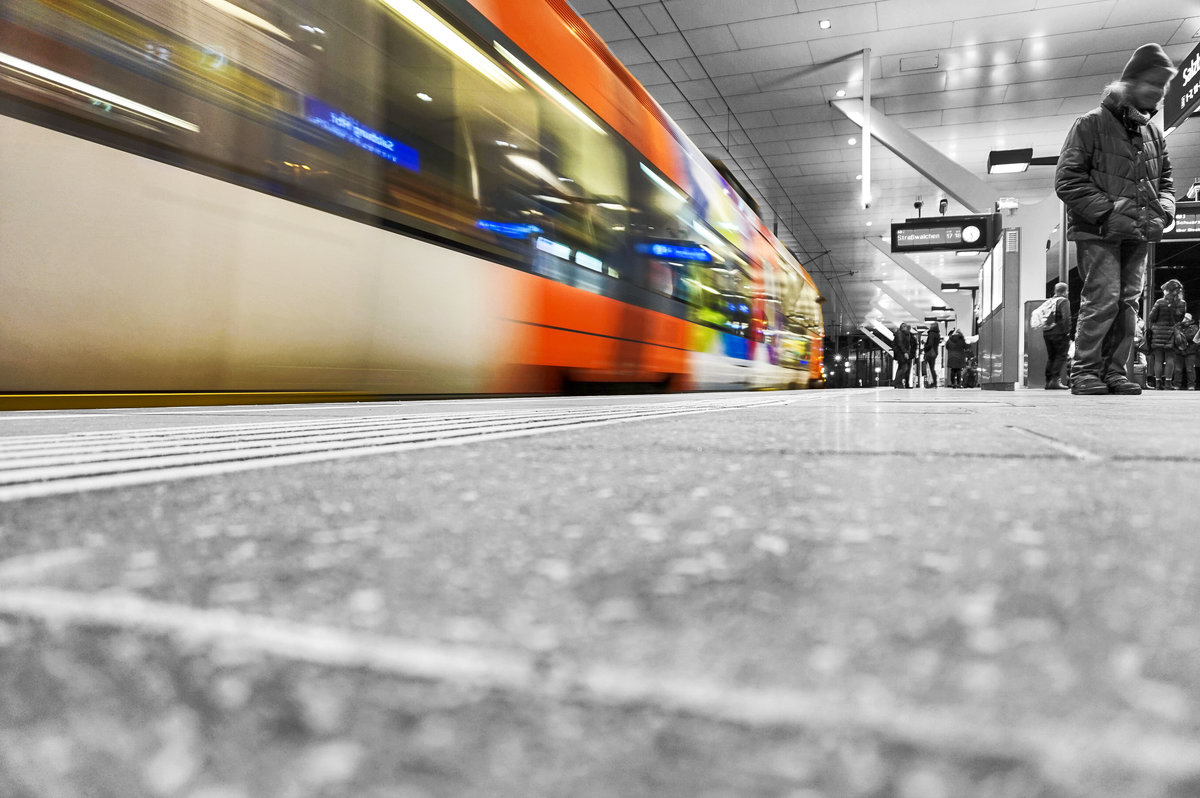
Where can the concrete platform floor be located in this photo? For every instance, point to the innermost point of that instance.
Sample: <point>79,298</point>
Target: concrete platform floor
<point>866,593</point>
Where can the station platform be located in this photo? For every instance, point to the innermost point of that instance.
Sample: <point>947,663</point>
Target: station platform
<point>873,593</point>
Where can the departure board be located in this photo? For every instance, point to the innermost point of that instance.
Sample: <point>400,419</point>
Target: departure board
<point>1187,222</point>
<point>978,233</point>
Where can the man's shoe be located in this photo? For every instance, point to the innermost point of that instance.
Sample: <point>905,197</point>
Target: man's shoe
<point>1124,388</point>
<point>1088,386</point>
<point>1055,385</point>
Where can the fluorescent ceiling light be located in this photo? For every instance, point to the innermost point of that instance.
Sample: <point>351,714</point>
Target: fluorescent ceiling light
<point>237,12</point>
<point>553,93</point>
<point>1001,162</point>
<point>663,184</point>
<point>452,41</point>
<point>534,167</point>
<point>93,92</point>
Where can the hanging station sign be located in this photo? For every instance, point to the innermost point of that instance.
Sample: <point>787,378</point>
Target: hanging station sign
<point>946,233</point>
<point>1183,92</point>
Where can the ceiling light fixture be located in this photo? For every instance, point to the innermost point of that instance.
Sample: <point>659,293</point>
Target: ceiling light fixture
<point>852,141</point>
<point>825,24</point>
<point>454,42</point>
<point>840,93</point>
<point>1008,161</point>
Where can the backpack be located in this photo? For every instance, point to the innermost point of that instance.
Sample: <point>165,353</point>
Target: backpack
<point>1043,314</point>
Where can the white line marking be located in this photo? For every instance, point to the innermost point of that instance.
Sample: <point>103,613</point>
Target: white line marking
<point>1070,450</point>
<point>33,567</point>
<point>168,465</point>
<point>1062,751</point>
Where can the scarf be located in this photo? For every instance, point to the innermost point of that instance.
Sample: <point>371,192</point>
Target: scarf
<point>1114,97</point>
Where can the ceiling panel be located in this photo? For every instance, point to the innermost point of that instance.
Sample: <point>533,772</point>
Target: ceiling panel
<point>896,14</point>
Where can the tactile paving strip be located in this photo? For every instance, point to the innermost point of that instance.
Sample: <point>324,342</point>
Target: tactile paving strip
<point>45,465</point>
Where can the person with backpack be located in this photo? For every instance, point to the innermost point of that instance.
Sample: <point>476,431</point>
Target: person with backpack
<point>1057,334</point>
<point>1167,312</point>
<point>1185,351</point>
<point>1114,177</point>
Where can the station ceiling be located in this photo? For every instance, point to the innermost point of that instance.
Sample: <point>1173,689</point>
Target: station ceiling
<point>751,81</point>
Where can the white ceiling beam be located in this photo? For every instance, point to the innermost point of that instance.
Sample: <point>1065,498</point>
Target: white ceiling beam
<point>945,173</point>
<point>901,300</point>
<point>956,300</point>
<point>867,331</point>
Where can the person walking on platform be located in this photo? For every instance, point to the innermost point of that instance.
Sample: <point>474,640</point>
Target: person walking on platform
<point>1167,312</point>
<point>1185,351</point>
<point>904,349</point>
<point>1114,177</point>
<point>933,341</point>
<point>1057,335</point>
<point>956,356</point>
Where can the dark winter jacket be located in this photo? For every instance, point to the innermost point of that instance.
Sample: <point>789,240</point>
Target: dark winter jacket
<point>1114,175</point>
<point>956,350</point>
<point>904,347</point>
<point>1059,322</point>
<point>1163,317</point>
<point>932,340</point>
<point>1189,332</point>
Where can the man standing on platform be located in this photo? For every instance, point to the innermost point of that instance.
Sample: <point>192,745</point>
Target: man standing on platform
<point>1115,179</point>
<point>1057,335</point>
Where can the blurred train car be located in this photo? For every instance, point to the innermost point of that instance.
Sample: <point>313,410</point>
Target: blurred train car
<point>366,198</point>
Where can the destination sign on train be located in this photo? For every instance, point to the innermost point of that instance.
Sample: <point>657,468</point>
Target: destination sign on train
<point>946,233</point>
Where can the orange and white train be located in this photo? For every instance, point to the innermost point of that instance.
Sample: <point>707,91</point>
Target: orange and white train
<point>365,198</point>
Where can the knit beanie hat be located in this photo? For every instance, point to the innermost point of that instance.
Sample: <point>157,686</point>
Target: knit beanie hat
<point>1145,58</point>
<point>1172,285</point>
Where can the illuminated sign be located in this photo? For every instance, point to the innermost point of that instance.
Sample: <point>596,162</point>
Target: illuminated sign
<point>682,251</point>
<point>508,229</point>
<point>350,129</point>
<point>1183,92</point>
<point>1187,222</point>
<point>554,248</point>
<point>946,233</point>
<point>589,262</point>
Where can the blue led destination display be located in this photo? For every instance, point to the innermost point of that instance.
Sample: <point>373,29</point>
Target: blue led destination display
<point>508,229</point>
<point>676,252</point>
<point>349,129</point>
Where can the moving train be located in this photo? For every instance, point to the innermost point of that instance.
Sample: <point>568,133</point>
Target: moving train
<point>366,198</point>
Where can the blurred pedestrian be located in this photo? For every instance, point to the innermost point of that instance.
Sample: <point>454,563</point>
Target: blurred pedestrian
<point>1114,177</point>
<point>1167,312</point>
<point>933,342</point>
<point>1185,351</point>
<point>1057,335</point>
<point>1141,352</point>
<point>956,356</point>
<point>904,349</point>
